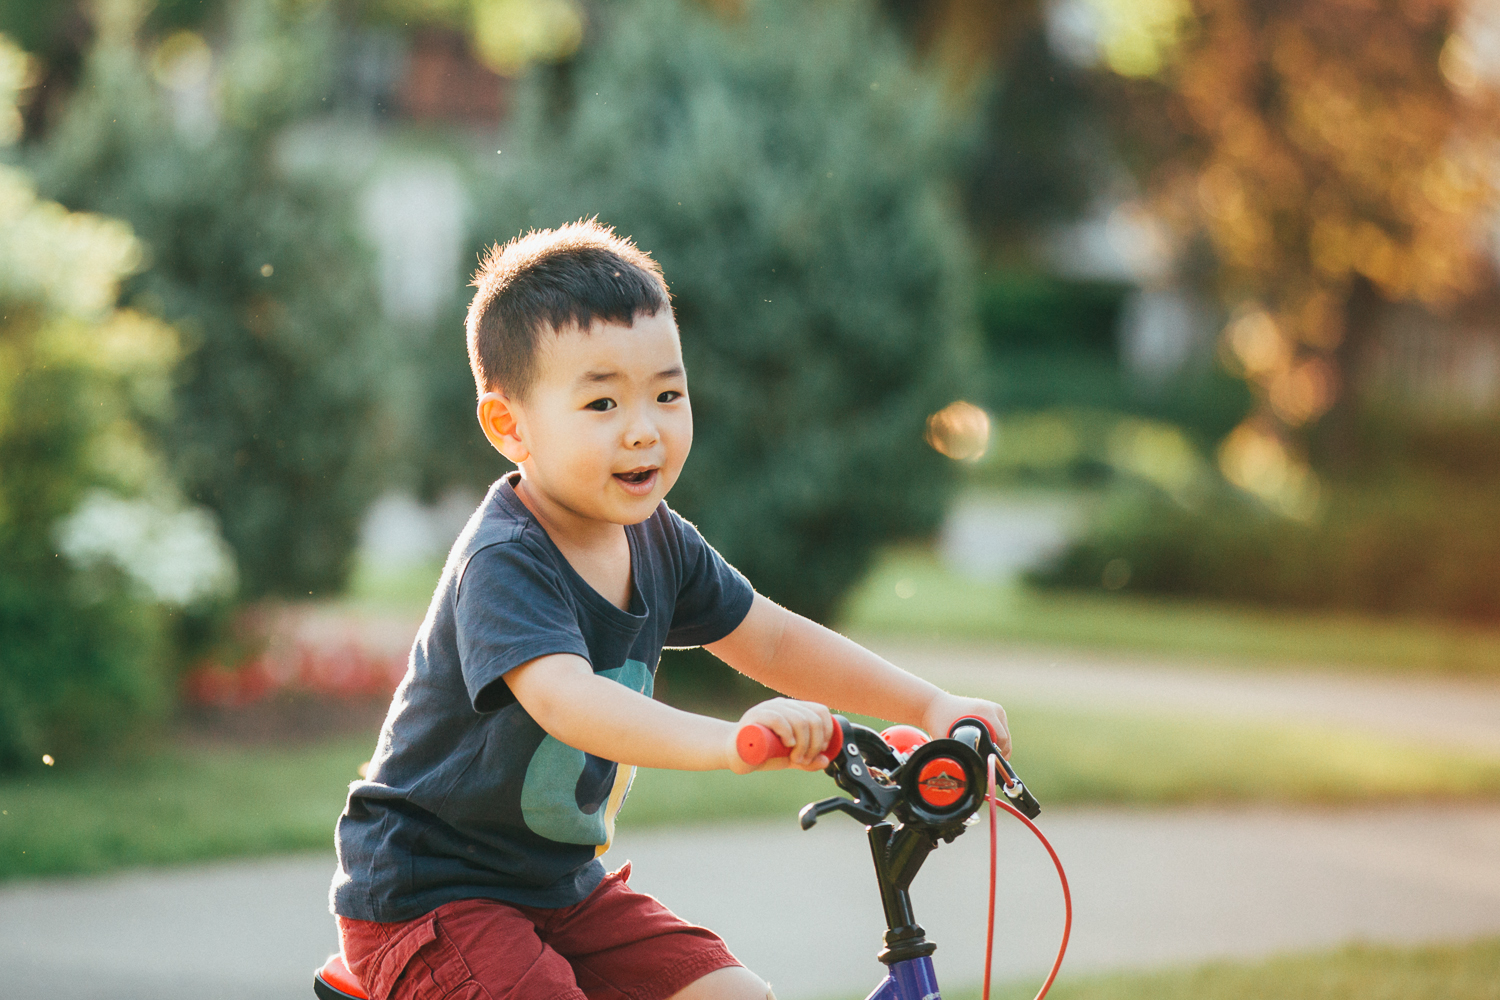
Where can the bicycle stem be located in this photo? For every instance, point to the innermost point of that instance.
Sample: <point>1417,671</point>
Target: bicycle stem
<point>898,856</point>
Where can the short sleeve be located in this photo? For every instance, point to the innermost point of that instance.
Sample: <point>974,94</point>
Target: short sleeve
<point>511,607</point>
<point>712,598</point>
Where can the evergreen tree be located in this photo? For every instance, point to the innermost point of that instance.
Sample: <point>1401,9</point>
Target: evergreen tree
<point>791,171</point>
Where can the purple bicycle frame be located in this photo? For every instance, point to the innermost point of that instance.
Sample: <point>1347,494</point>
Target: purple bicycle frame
<point>913,979</point>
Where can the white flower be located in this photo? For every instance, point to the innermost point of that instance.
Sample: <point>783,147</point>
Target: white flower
<point>175,553</point>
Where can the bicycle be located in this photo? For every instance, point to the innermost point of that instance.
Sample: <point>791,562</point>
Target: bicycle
<point>934,788</point>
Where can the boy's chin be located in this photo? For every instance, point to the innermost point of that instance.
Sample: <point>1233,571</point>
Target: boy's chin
<point>635,508</point>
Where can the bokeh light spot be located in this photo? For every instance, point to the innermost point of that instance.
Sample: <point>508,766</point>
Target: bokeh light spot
<point>510,34</point>
<point>1257,343</point>
<point>1254,458</point>
<point>182,61</point>
<point>959,430</point>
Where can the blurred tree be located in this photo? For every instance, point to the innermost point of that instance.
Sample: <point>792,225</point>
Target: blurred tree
<point>57,34</point>
<point>276,417</point>
<point>1038,157</point>
<point>1332,154</point>
<point>1033,154</point>
<point>792,173</point>
<point>968,38</point>
<point>94,537</point>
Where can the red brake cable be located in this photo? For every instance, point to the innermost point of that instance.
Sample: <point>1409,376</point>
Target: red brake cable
<point>989,935</point>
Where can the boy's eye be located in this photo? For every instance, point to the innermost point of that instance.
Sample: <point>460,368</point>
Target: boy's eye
<point>669,396</point>
<point>601,405</point>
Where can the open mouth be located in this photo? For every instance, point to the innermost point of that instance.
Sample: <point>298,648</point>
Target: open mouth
<point>639,479</point>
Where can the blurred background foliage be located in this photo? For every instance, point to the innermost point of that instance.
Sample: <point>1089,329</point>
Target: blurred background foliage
<point>276,419</point>
<point>1224,269</point>
<point>86,498</point>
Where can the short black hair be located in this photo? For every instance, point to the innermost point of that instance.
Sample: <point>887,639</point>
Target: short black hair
<point>571,275</point>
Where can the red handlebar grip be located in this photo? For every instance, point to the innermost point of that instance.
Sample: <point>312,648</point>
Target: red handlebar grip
<point>758,744</point>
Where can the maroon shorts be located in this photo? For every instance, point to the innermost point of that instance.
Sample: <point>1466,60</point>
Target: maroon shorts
<point>618,944</point>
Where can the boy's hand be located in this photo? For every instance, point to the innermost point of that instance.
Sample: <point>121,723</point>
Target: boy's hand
<point>946,709</point>
<point>804,726</point>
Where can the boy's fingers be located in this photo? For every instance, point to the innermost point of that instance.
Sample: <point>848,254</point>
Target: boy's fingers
<point>805,732</point>
<point>822,730</point>
<point>1003,737</point>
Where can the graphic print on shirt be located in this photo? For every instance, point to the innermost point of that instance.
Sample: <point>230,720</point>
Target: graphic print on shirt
<point>572,797</point>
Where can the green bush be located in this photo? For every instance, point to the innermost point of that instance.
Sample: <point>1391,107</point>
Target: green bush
<point>94,540</point>
<point>276,413</point>
<point>790,170</point>
<point>1020,313</point>
<point>1407,545</point>
<point>80,651</point>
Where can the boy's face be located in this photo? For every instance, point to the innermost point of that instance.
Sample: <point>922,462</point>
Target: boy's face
<point>606,425</point>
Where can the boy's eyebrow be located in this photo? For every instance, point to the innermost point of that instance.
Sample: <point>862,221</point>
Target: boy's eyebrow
<point>594,377</point>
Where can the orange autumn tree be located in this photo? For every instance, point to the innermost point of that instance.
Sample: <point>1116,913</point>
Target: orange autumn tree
<point>1332,154</point>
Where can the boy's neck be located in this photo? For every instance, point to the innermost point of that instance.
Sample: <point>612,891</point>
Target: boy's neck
<point>597,550</point>
<point>565,527</point>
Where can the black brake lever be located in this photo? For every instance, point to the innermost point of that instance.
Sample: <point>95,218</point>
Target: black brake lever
<point>977,735</point>
<point>850,770</point>
<point>810,812</point>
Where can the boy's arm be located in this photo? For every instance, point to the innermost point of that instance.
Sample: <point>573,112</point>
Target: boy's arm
<point>601,717</point>
<point>801,658</point>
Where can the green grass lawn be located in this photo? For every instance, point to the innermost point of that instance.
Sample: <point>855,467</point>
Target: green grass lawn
<point>176,806</point>
<point>1461,972</point>
<point>406,588</point>
<point>192,804</point>
<point>910,593</point>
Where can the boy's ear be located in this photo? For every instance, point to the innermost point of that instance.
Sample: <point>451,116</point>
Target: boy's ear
<point>497,418</point>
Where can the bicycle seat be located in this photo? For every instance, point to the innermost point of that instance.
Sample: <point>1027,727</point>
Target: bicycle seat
<point>334,981</point>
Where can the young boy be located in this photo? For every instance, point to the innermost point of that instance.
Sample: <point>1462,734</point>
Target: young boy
<point>468,859</point>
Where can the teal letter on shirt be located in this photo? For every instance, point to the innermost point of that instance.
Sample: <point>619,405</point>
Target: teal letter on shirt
<point>562,782</point>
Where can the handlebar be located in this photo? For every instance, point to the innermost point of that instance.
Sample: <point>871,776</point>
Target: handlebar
<point>758,744</point>
<point>933,789</point>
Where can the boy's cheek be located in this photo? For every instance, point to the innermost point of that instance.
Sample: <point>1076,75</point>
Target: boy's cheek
<point>684,441</point>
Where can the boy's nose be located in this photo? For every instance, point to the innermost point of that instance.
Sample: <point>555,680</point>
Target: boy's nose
<point>642,434</point>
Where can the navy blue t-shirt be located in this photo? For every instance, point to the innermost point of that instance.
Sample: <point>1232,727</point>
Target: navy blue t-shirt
<point>466,796</point>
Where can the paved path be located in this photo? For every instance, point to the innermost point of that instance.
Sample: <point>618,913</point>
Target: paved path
<point>801,908</point>
<point>1441,710</point>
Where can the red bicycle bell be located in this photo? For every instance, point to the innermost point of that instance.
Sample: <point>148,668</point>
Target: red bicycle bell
<point>942,782</point>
